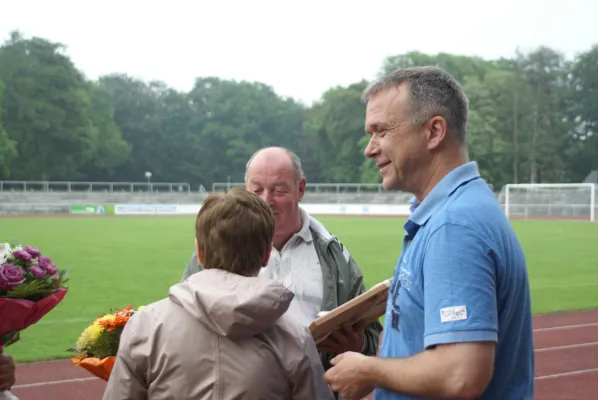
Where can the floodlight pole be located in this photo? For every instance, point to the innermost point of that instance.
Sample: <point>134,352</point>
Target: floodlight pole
<point>148,176</point>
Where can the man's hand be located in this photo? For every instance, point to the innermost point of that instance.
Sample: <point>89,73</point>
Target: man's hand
<point>7,372</point>
<point>348,338</point>
<point>348,377</point>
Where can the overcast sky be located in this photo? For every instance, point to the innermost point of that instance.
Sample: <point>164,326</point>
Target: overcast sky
<point>300,47</point>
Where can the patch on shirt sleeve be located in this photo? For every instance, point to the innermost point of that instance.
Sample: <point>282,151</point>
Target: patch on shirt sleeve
<point>450,314</point>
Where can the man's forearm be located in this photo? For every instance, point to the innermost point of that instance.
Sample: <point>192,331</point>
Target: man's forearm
<point>427,374</point>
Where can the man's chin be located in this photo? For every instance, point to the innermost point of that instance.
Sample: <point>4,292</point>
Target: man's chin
<point>389,184</point>
<point>277,219</point>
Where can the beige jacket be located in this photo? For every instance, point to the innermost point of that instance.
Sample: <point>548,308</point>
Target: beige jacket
<point>218,336</point>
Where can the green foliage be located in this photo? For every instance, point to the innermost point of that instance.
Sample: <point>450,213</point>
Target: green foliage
<point>532,119</point>
<point>8,146</point>
<point>35,289</point>
<point>10,338</point>
<point>106,345</point>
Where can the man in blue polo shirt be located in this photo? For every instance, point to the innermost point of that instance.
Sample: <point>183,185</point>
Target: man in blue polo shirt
<point>458,322</point>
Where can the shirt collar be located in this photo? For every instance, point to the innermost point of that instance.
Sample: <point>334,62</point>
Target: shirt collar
<point>304,233</point>
<point>421,212</point>
<point>413,204</point>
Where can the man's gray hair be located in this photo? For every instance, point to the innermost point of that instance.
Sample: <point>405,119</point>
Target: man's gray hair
<point>433,92</point>
<point>295,160</point>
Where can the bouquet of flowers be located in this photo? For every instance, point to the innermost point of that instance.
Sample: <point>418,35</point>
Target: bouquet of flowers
<point>98,344</point>
<point>30,287</point>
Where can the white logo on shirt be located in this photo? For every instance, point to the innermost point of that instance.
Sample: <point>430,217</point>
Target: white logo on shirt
<point>405,278</point>
<point>450,314</point>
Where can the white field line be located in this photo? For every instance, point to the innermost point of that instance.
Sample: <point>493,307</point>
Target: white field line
<point>58,382</point>
<point>565,374</point>
<point>576,312</point>
<point>569,346</point>
<point>565,327</point>
<point>66,321</point>
<point>58,361</point>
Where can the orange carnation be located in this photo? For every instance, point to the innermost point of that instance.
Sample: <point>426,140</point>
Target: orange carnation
<point>120,319</point>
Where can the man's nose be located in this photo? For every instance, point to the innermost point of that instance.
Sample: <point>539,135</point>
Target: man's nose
<point>268,197</point>
<point>371,149</point>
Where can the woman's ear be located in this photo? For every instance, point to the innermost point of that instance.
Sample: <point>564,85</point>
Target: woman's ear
<point>199,255</point>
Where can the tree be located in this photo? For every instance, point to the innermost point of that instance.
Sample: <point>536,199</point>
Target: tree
<point>46,110</point>
<point>532,119</point>
<point>8,148</point>
<point>234,119</point>
<point>582,107</point>
<point>336,124</point>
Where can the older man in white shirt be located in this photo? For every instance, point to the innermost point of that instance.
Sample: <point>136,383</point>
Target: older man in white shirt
<point>306,257</point>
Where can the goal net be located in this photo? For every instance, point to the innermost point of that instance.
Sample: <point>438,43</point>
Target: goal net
<point>575,201</point>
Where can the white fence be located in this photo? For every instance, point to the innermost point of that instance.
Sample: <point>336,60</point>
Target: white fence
<point>316,187</point>
<point>109,187</point>
<point>311,208</point>
<point>521,201</point>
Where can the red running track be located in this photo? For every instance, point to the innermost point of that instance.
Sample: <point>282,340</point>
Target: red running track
<point>566,365</point>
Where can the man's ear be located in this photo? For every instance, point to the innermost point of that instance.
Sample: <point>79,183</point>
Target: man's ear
<point>267,256</point>
<point>301,188</point>
<point>437,132</point>
<point>199,255</point>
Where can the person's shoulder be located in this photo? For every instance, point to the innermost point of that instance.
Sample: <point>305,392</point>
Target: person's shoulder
<point>472,206</point>
<point>156,307</point>
<point>151,321</point>
<point>147,313</point>
<point>318,229</point>
<point>472,216</point>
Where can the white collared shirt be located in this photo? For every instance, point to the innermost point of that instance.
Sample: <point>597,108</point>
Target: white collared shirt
<point>297,267</point>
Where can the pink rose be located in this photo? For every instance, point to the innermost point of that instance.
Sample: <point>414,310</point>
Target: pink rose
<point>44,262</point>
<point>23,255</point>
<point>37,271</point>
<point>51,269</point>
<point>32,251</point>
<point>10,276</point>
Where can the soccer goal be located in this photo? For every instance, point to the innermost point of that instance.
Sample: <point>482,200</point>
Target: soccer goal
<point>575,201</point>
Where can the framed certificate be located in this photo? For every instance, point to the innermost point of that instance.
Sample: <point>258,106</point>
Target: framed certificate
<point>366,307</point>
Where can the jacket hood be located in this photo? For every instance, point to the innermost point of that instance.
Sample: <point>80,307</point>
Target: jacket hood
<point>232,305</point>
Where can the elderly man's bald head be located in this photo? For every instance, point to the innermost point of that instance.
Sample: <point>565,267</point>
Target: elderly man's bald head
<point>275,175</point>
<point>277,157</point>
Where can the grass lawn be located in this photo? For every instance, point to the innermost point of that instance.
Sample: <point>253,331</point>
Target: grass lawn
<point>115,261</point>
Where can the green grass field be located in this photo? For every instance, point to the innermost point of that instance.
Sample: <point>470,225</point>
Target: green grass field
<point>114,262</point>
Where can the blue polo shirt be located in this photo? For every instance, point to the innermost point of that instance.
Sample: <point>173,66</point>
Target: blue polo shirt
<point>462,277</point>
